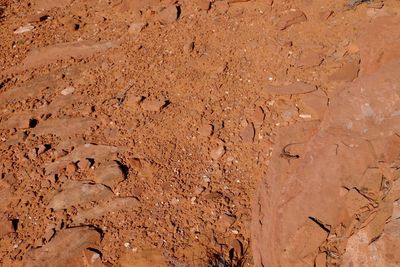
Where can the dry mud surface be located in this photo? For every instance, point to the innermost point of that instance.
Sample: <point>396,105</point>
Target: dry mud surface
<point>199,133</point>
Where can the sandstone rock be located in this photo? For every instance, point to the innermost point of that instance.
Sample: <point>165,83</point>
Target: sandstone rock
<point>44,55</point>
<point>153,105</point>
<point>290,18</point>
<point>6,226</point>
<point>137,27</point>
<point>109,174</point>
<point>77,193</point>
<point>85,151</point>
<point>169,14</point>
<point>203,4</point>
<point>205,130</point>
<point>311,195</point>
<point>217,152</point>
<point>63,127</point>
<point>247,133</point>
<point>65,249</point>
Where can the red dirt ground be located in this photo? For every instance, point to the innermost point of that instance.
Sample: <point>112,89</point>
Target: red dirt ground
<point>140,133</point>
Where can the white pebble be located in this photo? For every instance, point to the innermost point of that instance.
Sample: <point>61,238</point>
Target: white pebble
<point>23,29</point>
<point>67,91</point>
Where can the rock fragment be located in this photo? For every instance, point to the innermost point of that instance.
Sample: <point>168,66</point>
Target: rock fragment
<point>205,130</point>
<point>109,174</point>
<point>65,249</point>
<point>24,29</point>
<point>188,47</point>
<point>169,14</point>
<point>258,116</point>
<point>6,226</point>
<point>203,4</point>
<point>79,193</point>
<point>67,91</point>
<point>217,152</point>
<point>45,55</point>
<point>85,151</point>
<point>292,17</point>
<point>63,127</point>
<point>153,105</point>
<point>136,27</point>
<point>247,133</point>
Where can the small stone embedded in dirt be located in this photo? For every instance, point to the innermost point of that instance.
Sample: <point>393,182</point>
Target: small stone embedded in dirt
<point>213,196</point>
<point>169,14</point>
<point>137,27</point>
<point>84,164</point>
<point>133,101</point>
<point>136,164</point>
<point>109,174</point>
<point>226,220</point>
<point>237,247</point>
<point>67,91</point>
<point>24,29</point>
<point>292,17</point>
<point>205,130</point>
<point>247,133</point>
<point>153,105</point>
<point>188,47</point>
<point>93,258</point>
<point>71,169</point>
<point>65,249</point>
<point>203,4</point>
<point>6,226</point>
<point>258,116</point>
<point>77,193</point>
<point>218,152</point>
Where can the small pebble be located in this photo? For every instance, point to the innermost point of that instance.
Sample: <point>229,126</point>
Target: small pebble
<point>24,29</point>
<point>67,91</point>
<point>136,28</point>
<point>217,153</point>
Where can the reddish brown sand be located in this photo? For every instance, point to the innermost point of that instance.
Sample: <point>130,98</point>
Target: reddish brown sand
<point>199,133</point>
